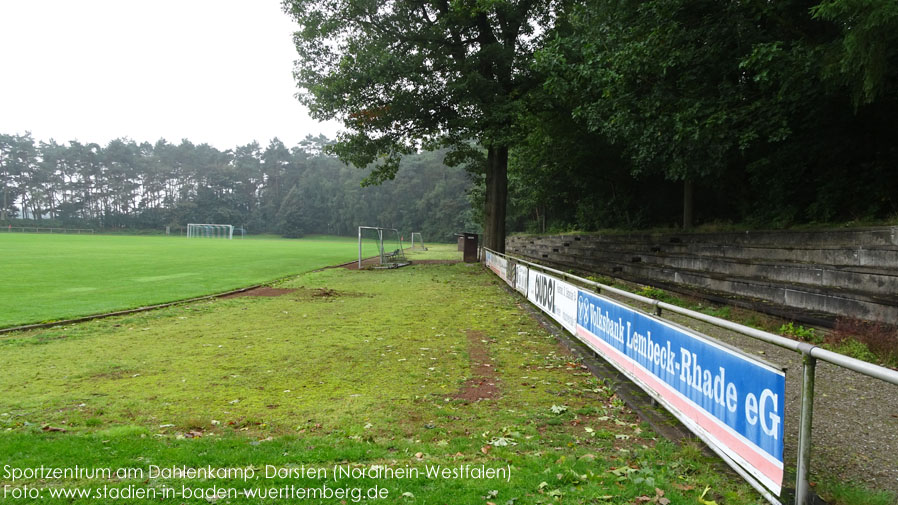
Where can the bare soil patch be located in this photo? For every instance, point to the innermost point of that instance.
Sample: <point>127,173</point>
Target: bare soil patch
<point>367,262</point>
<point>484,384</point>
<point>261,291</point>
<point>324,292</point>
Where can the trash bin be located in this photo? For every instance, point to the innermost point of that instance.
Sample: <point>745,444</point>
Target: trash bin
<point>470,252</point>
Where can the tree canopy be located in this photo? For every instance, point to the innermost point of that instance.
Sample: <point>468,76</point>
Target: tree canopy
<point>406,74</point>
<point>780,113</point>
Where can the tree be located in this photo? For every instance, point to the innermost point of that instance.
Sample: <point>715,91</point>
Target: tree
<point>402,74</point>
<point>19,158</point>
<point>688,87</point>
<point>866,53</point>
<point>6,146</point>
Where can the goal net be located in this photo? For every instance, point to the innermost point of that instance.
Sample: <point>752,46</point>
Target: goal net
<point>417,240</point>
<point>210,231</point>
<point>385,244</point>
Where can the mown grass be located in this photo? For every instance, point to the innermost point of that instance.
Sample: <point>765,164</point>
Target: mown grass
<point>52,277</point>
<point>355,368</point>
<point>434,252</point>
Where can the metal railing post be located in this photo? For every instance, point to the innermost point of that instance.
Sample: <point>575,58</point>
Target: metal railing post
<point>805,421</point>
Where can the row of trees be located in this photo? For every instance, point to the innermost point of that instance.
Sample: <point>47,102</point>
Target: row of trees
<point>607,113</point>
<point>771,113</point>
<point>291,191</point>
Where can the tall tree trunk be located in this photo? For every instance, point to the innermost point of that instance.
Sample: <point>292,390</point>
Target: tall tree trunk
<point>687,204</point>
<point>496,197</point>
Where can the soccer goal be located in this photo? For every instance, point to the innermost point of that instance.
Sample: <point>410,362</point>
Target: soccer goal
<point>420,241</point>
<point>210,231</point>
<point>387,243</point>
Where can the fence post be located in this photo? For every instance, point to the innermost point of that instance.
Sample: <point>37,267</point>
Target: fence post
<point>805,422</point>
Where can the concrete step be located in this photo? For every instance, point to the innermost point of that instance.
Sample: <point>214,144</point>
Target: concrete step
<point>841,272</point>
<point>838,301</point>
<point>886,236</point>
<point>885,257</point>
<point>875,280</point>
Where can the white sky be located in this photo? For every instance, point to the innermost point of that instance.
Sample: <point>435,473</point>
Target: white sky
<point>214,71</point>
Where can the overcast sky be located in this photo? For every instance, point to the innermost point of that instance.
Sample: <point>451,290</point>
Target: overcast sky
<point>214,71</point>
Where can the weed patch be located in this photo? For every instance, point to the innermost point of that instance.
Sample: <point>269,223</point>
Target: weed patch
<point>801,333</point>
<point>871,341</point>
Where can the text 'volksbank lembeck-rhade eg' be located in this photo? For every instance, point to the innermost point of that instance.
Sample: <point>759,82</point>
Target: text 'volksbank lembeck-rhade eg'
<point>761,409</point>
<point>717,391</point>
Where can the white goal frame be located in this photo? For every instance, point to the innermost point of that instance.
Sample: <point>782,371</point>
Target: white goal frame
<point>203,230</point>
<point>380,243</point>
<point>421,240</point>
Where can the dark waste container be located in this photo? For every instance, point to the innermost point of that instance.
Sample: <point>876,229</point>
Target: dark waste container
<point>470,251</point>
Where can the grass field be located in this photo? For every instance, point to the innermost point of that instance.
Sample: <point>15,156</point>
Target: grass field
<point>413,368</point>
<point>50,277</point>
<point>435,252</point>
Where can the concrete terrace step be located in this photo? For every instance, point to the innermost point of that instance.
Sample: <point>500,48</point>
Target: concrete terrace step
<point>871,237</point>
<point>848,301</point>
<point>878,256</point>
<point>877,280</point>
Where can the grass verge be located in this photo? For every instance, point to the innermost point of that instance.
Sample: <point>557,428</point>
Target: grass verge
<point>416,368</point>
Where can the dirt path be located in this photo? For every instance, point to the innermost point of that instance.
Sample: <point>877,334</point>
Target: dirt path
<point>485,381</point>
<point>260,291</point>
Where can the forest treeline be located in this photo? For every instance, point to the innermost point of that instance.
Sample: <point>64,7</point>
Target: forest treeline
<point>290,191</point>
<point>766,113</point>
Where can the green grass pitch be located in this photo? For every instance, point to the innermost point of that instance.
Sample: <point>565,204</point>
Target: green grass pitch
<point>419,368</point>
<point>51,277</point>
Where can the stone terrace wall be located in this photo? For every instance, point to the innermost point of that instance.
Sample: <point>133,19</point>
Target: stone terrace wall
<point>813,276</point>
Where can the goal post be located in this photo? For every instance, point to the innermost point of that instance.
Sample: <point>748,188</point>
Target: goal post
<point>385,239</point>
<point>203,230</point>
<point>417,235</point>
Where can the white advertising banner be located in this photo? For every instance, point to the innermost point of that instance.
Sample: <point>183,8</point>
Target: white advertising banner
<point>521,279</point>
<point>497,264</point>
<point>555,297</point>
<point>511,272</point>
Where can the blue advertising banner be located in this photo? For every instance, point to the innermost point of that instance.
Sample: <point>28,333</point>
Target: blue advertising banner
<point>734,400</point>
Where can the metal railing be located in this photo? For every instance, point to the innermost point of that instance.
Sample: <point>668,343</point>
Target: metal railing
<point>810,354</point>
